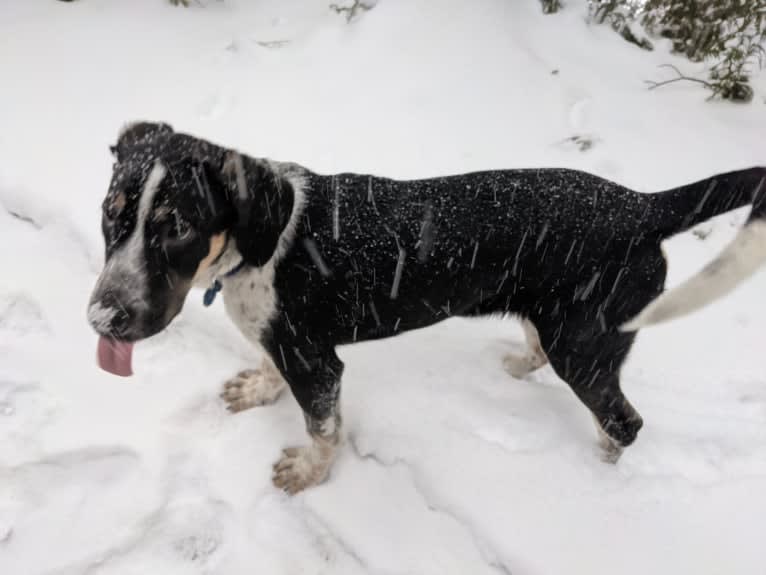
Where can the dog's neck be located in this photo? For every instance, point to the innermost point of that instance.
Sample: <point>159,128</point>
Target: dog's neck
<point>227,261</point>
<point>230,257</point>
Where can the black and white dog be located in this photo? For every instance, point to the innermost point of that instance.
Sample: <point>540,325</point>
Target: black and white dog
<point>307,263</point>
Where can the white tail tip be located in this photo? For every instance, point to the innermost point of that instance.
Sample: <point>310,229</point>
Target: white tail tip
<point>737,262</point>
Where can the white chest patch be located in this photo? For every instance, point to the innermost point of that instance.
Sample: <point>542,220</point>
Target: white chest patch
<point>250,300</point>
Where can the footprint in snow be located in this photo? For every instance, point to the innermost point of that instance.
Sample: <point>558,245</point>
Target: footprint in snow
<point>67,494</point>
<point>24,411</point>
<point>20,316</point>
<point>190,528</point>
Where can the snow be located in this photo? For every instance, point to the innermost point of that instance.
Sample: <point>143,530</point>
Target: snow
<point>451,465</point>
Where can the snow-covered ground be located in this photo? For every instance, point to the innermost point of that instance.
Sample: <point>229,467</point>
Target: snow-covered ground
<point>451,466</point>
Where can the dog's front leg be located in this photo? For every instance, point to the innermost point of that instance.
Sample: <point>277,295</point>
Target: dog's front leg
<point>313,375</point>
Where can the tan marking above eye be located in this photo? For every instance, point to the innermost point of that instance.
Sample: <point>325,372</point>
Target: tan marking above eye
<point>217,245</point>
<point>119,201</point>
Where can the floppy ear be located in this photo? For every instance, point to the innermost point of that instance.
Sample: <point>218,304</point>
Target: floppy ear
<point>137,133</point>
<point>262,201</point>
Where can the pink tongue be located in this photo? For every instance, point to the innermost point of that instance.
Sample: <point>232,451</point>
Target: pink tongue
<point>115,356</point>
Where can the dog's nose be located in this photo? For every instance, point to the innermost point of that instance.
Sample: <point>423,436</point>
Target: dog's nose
<point>109,315</point>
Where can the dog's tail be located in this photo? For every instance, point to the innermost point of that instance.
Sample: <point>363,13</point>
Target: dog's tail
<point>678,210</point>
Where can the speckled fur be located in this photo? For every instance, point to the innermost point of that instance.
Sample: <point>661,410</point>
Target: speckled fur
<point>332,260</point>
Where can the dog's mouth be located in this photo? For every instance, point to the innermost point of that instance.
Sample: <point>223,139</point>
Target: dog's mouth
<point>115,356</point>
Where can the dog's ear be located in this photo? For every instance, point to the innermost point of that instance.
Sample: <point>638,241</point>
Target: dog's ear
<point>136,134</point>
<point>262,202</point>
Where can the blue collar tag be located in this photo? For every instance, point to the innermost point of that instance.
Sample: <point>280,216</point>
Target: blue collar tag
<point>213,290</point>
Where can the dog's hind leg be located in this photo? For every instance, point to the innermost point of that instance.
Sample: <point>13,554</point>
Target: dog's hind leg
<point>590,363</point>
<point>533,358</point>
<point>617,421</point>
<point>254,387</point>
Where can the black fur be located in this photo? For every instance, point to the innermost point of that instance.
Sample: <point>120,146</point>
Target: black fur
<point>260,217</point>
<point>372,257</point>
<point>575,254</point>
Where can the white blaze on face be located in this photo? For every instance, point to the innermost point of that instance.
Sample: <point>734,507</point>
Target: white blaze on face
<point>124,275</point>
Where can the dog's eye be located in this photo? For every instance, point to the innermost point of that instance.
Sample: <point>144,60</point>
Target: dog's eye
<point>177,229</point>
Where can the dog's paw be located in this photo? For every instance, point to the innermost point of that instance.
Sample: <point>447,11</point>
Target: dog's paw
<point>609,450</point>
<point>622,430</point>
<point>301,467</point>
<point>615,434</point>
<point>251,388</point>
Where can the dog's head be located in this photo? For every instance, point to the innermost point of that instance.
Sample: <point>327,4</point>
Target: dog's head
<point>179,211</point>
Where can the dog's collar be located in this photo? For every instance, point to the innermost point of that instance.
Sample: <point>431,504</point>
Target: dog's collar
<point>213,290</point>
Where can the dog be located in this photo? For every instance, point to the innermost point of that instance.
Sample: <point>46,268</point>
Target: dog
<point>308,262</point>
